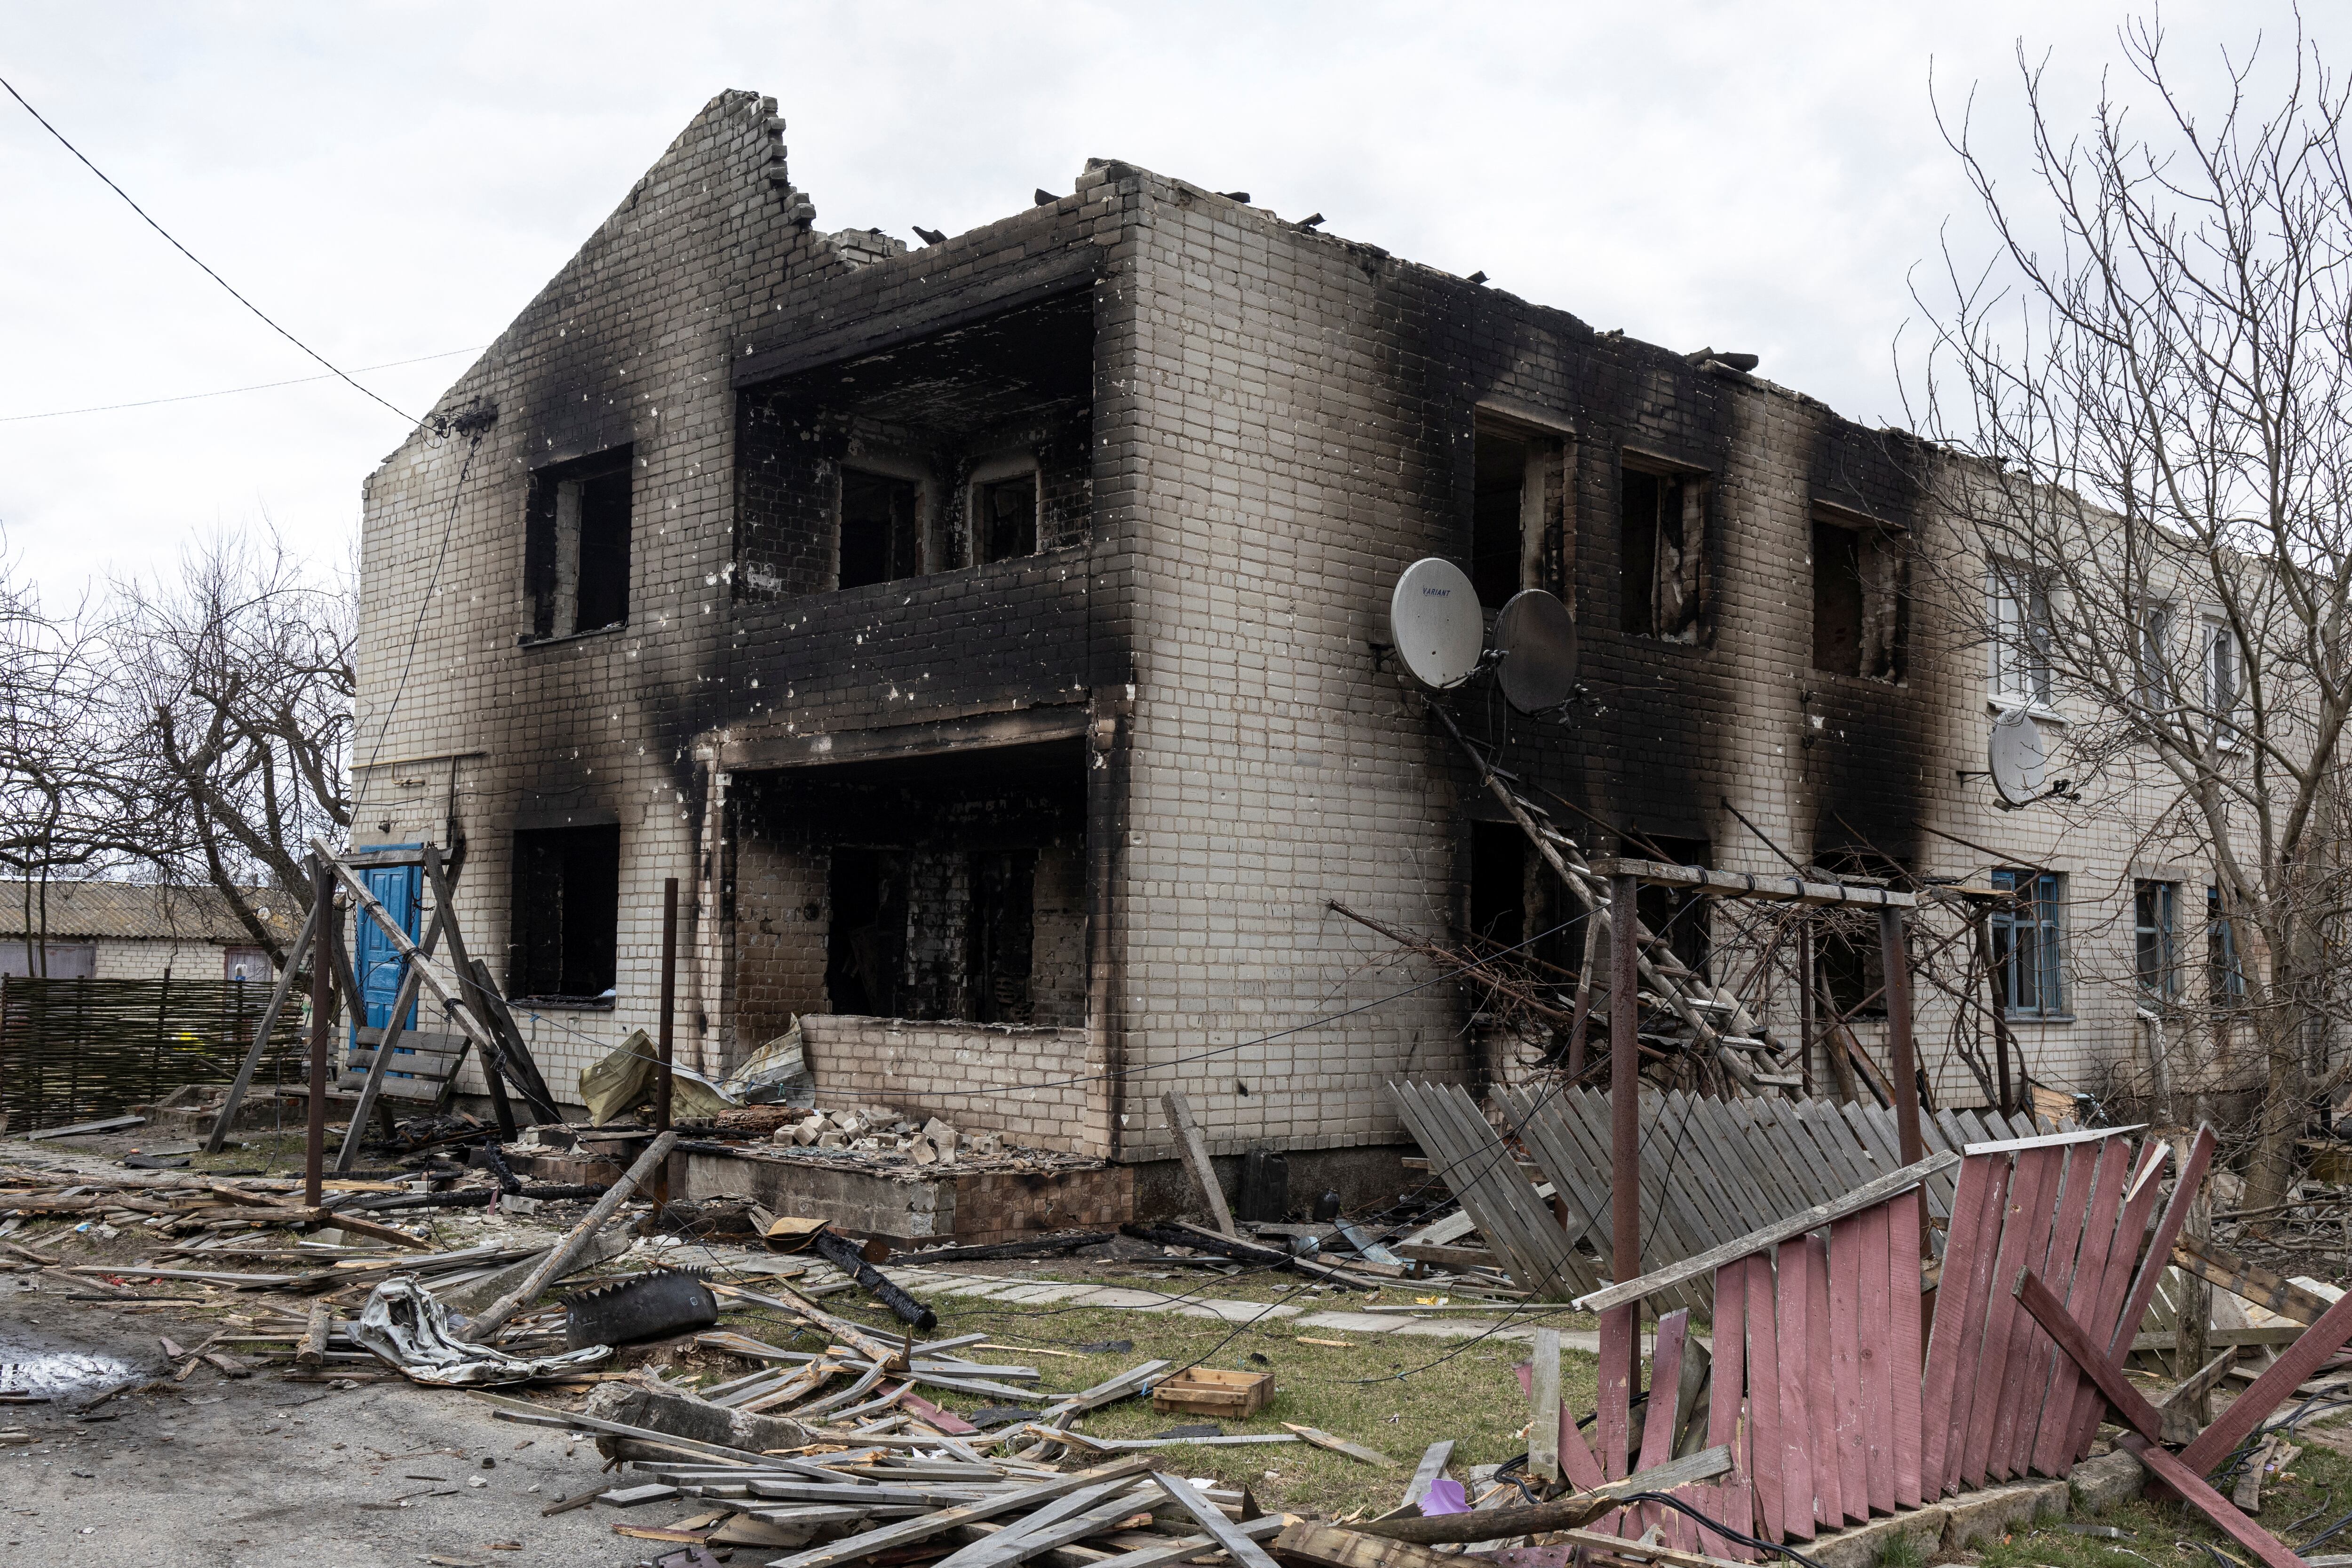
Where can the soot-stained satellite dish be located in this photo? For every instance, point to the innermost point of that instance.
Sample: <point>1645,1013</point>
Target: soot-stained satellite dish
<point>1536,640</point>
<point>1435,621</point>
<point>2017,758</point>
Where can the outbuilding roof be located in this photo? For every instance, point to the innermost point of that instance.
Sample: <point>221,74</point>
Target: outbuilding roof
<point>136,911</point>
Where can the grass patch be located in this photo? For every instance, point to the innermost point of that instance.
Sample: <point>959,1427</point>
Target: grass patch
<point>2314,1492</point>
<point>1355,1392</point>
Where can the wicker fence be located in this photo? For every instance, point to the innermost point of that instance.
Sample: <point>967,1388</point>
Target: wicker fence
<point>73,1050</point>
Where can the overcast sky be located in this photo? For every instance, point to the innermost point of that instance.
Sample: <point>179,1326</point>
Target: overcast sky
<point>395,180</point>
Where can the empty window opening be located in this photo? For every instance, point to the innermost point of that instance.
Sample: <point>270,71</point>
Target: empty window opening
<point>2154,961</point>
<point>566,915</point>
<point>943,887</point>
<point>1004,518</point>
<point>1853,970</point>
<point>2028,938</point>
<point>991,420</point>
<point>866,943</point>
<point>1498,883</point>
<point>1497,537</point>
<point>881,535</point>
<point>1678,915</point>
<point>999,935</point>
<point>1859,606</point>
<point>576,545</point>
<point>1661,555</point>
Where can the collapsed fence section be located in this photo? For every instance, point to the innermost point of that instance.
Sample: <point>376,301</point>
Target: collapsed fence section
<point>73,1050</point>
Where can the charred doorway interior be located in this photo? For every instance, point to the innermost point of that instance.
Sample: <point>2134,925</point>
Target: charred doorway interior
<point>934,888</point>
<point>962,450</point>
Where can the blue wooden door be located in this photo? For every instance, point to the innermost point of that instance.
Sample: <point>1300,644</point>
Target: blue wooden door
<point>376,962</point>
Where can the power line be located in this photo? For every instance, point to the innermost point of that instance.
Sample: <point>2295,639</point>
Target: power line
<point>228,391</point>
<point>191,254</point>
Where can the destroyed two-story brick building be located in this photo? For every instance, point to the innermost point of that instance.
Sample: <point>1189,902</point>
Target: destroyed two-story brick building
<point>991,638</point>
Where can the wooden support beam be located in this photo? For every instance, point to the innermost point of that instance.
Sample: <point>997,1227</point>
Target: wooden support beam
<point>1195,1151</point>
<point>2176,1474</point>
<point>2246,1412</point>
<point>294,957</point>
<point>1740,885</point>
<point>2051,1312</point>
<point>2198,1256</point>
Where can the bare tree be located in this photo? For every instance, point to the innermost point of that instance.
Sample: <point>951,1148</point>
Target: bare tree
<point>2146,400</point>
<point>62,810</point>
<point>237,683</point>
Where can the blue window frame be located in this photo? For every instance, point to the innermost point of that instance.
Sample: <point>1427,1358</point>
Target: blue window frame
<point>2225,974</point>
<point>2028,943</point>
<point>2155,955</point>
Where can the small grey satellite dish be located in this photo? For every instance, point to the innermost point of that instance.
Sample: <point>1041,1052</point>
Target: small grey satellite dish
<point>1435,622</point>
<point>1538,641</point>
<point>2018,759</point>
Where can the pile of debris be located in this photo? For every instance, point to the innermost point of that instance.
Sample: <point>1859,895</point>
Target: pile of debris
<point>872,1130</point>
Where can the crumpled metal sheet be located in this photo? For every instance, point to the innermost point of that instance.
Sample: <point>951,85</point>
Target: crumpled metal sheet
<point>403,1324</point>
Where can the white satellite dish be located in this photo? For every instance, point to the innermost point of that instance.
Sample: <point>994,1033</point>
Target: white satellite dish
<point>2017,758</point>
<point>1435,622</point>
<point>1536,639</point>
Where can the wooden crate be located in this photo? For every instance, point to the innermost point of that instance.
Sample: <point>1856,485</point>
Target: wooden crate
<point>1205,1391</point>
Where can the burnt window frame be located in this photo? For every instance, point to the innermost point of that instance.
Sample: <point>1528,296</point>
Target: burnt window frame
<point>914,543</point>
<point>553,606</point>
<point>530,905</point>
<point>1695,579</point>
<point>990,474</point>
<point>1877,547</point>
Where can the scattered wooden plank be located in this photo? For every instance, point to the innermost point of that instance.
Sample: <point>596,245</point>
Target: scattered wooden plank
<point>83,1129</point>
<point>1433,1460</point>
<point>1185,1548</point>
<point>1212,1518</point>
<point>1561,1514</point>
<point>1360,1453</point>
<point>1814,1218</point>
<point>1322,1546</point>
<point>907,1531</point>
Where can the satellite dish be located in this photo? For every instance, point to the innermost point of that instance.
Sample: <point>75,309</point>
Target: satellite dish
<point>2017,758</point>
<point>1538,641</point>
<point>1435,622</point>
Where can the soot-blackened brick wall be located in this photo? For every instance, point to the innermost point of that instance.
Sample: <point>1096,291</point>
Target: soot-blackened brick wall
<point>1243,431</point>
